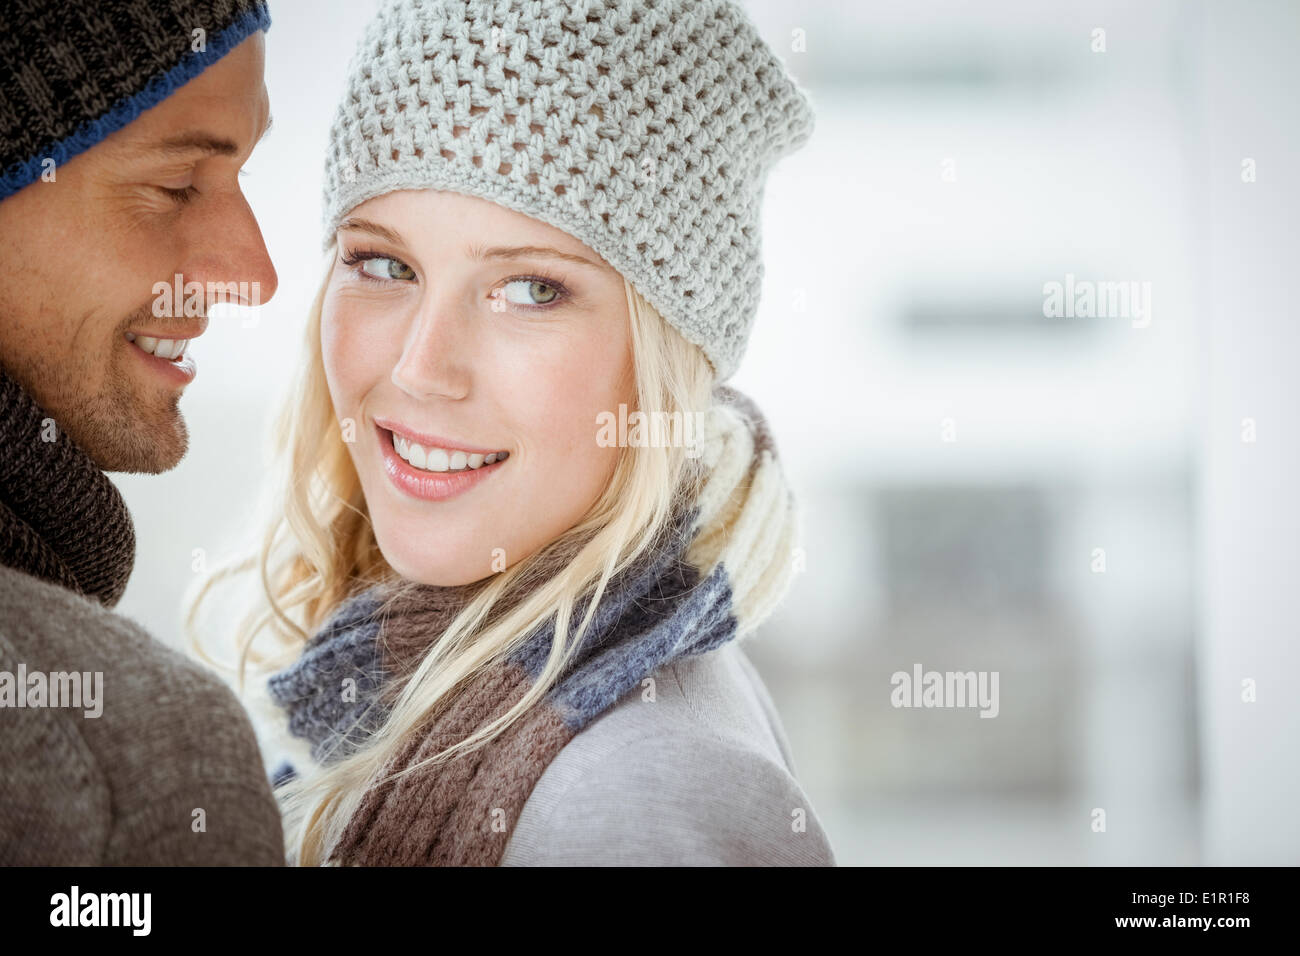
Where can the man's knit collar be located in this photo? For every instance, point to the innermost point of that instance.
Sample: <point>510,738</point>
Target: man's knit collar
<point>61,519</point>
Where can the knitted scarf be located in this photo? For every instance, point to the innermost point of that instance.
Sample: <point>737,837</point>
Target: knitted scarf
<point>723,564</point>
<point>61,519</point>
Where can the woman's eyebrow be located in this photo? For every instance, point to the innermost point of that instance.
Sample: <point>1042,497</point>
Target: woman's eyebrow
<point>520,252</point>
<point>374,228</point>
<point>475,252</point>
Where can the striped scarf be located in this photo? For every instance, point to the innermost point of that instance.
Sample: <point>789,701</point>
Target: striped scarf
<point>722,566</point>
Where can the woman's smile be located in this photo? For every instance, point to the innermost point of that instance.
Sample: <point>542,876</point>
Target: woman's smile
<point>434,472</point>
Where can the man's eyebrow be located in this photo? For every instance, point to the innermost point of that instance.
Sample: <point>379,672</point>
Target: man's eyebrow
<point>195,141</point>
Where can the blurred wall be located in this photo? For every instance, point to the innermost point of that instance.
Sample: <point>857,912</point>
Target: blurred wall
<point>1249,557</point>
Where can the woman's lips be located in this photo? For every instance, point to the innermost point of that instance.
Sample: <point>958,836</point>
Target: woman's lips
<point>429,485</point>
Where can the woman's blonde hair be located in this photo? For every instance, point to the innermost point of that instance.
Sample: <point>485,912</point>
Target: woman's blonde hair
<point>320,548</point>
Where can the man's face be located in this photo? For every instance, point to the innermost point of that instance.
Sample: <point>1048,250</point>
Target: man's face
<point>80,257</point>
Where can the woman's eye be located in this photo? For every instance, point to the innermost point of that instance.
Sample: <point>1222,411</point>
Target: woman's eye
<point>531,292</point>
<point>382,267</point>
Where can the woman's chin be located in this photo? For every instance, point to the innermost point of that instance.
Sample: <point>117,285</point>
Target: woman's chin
<point>416,560</point>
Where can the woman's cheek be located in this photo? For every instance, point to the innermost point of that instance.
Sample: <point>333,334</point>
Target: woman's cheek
<point>349,363</point>
<point>330,330</point>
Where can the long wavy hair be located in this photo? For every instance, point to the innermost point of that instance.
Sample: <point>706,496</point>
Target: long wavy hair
<point>319,548</point>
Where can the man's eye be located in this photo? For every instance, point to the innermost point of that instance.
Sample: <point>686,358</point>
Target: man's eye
<point>382,267</point>
<point>532,292</point>
<point>180,196</point>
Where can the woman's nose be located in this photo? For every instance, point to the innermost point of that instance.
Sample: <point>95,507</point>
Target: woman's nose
<point>435,360</point>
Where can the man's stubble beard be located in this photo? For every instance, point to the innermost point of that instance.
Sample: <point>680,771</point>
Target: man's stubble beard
<point>117,429</point>
<point>122,433</point>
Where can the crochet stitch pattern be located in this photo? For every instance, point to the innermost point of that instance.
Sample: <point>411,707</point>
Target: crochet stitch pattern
<point>644,129</point>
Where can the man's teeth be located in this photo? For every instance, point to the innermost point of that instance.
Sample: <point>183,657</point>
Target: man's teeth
<point>163,348</point>
<point>442,459</point>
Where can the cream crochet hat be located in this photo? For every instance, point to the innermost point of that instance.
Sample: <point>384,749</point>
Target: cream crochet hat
<point>643,128</point>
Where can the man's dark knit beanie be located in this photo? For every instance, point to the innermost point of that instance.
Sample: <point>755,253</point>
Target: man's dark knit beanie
<point>74,71</point>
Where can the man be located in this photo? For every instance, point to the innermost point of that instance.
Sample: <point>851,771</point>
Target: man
<point>124,128</point>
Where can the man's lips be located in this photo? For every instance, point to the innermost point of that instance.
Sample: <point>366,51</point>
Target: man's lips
<point>191,330</point>
<point>186,330</point>
<point>167,355</point>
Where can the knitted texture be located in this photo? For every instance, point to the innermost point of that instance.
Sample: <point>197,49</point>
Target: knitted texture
<point>646,130</point>
<point>721,566</point>
<point>121,788</point>
<point>61,518</point>
<point>77,70</point>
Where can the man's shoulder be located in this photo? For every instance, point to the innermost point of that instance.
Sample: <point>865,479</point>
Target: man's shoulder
<point>689,769</point>
<point>56,630</point>
<point>63,629</point>
<point>52,630</point>
<point>151,734</point>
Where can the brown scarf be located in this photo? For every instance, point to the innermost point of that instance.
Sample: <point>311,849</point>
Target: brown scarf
<point>61,519</point>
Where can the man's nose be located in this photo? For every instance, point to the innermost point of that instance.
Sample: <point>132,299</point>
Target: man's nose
<point>234,260</point>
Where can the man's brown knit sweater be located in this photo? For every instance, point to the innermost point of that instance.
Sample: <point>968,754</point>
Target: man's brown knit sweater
<point>143,757</point>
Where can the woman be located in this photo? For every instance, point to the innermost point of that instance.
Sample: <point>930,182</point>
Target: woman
<point>537,221</point>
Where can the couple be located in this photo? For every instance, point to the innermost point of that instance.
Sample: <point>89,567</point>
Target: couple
<point>496,639</point>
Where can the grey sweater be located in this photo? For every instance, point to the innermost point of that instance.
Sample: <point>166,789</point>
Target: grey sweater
<point>700,776</point>
<point>168,774</point>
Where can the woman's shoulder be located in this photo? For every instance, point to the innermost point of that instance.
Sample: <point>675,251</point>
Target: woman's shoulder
<point>690,769</point>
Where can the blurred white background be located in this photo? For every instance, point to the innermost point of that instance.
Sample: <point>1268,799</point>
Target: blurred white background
<point>965,155</point>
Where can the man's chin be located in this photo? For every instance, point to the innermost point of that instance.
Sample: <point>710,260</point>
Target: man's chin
<point>137,447</point>
<point>155,452</point>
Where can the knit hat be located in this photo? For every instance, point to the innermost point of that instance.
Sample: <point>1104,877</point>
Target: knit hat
<point>644,129</point>
<point>77,70</point>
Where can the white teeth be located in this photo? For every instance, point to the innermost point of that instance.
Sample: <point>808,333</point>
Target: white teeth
<point>441,459</point>
<point>162,348</point>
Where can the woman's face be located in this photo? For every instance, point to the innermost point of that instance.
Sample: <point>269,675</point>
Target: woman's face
<point>455,330</point>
